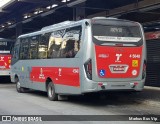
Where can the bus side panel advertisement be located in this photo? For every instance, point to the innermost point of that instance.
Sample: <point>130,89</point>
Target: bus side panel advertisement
<point>59,75</point>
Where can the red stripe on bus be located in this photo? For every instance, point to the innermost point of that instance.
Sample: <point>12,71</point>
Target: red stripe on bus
<point>59,75</point>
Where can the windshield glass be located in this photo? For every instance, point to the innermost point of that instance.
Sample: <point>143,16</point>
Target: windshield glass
<point>116,34</point>
<point>5,46</point>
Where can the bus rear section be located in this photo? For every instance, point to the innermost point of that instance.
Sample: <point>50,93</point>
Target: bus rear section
<point>5,56</point>
<point>118,57</point>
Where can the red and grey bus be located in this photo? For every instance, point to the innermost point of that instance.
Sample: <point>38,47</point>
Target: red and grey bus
<point>78,57</point>
<point>5,56</point>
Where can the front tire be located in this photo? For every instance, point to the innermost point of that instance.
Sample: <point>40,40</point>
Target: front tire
<point>52,96</point>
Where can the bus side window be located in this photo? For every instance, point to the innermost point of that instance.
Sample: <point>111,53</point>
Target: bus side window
<point>62,49</point>
<point>54,46</point>
<point>50,46</point>
<point>71,42</point>
<point>24,50</point>
<point>15,52</point>
<point>76,46</point>
<point>33,47</point>
<point>69,49</point>
<point>43,46</point>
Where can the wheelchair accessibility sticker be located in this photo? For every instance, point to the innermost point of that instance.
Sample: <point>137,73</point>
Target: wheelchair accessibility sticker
<point>102,73</point>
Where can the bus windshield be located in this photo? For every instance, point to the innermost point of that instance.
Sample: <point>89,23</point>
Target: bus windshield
<point>5,46</point>
<point>103,34</point>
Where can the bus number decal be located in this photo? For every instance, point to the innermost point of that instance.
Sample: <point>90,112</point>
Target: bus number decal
<point>75,71</point>
<point>135,56</point>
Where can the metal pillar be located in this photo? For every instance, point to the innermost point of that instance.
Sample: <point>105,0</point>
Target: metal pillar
<point>80,13</point>
<point>18,29</point>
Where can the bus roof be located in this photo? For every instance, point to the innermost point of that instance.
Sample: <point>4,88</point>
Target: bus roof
<point>57,25</point>
<point>66,24</point>
<point>4,39</point>
<point>54,26</point>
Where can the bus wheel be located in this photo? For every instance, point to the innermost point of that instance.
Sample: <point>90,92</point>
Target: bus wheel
<point>18,87</point>
<point>51,92</point>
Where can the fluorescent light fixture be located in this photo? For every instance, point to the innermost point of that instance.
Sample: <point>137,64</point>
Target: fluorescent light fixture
<point>9,23</point>
<point>26,17</point>
<point>40,11</point>
<point>54,5</point>
<point>4,2</point>
<point>48,7</point>
<point>36,12</point>
<point>64,1</point>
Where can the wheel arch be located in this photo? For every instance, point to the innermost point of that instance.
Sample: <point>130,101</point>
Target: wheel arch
<point>16,77</point>
<point>48,80</point>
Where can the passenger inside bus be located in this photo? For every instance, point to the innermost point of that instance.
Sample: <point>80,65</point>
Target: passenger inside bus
<point>54,45</point>
<point>62,48</point>
<point>71,48</point>
<point>76,46</point>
